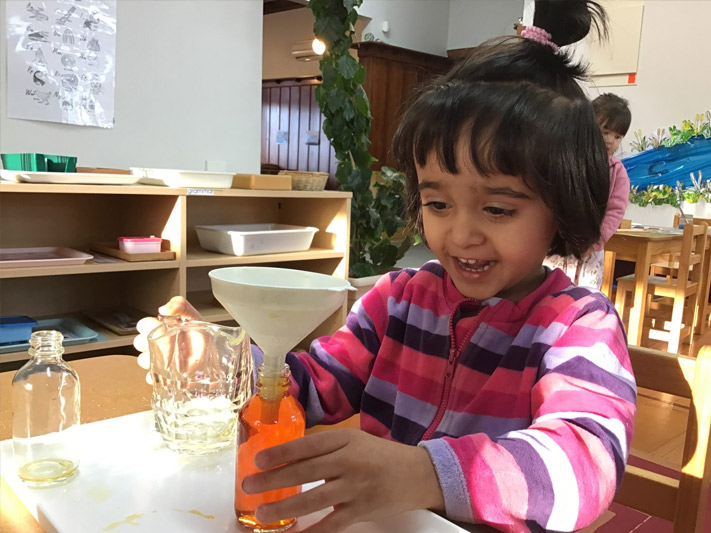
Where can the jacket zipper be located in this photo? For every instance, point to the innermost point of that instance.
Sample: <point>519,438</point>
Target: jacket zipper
<point>454,354</point>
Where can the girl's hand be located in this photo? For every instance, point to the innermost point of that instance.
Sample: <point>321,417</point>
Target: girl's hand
<point>367,477</point>
<point>177,306</point>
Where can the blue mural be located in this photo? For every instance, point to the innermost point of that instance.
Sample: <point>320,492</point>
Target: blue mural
<point>668,165</point>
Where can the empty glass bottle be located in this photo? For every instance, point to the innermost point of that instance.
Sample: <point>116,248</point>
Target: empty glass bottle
<point>45,413</point>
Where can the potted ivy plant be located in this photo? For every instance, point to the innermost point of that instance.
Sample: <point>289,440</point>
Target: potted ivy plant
<point>378,201</point>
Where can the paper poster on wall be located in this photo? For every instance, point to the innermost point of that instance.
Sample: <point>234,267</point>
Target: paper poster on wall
<point>61,61</point>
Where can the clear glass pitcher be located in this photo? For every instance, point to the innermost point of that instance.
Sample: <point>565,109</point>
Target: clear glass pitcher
<point>202,375</point>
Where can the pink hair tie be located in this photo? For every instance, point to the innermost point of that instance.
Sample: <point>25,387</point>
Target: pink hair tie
<point>539,35</point>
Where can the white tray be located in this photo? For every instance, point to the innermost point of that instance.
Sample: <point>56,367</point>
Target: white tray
<point>41,256</point>
<point>183,178</point>
<point>255,239</point>
<point>69,178</point>
<point>128,481</point>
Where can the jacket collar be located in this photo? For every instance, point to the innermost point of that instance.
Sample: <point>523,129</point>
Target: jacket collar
<point>502,309</point>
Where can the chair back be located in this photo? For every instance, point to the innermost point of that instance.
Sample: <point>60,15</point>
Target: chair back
<point>689,218</point>
<point>683,501</point>
<point>691,258</point>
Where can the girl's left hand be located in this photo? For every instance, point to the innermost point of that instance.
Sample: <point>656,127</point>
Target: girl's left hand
<point>367,477</point>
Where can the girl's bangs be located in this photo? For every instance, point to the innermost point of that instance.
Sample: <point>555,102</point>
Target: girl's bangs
<point>504,129</point>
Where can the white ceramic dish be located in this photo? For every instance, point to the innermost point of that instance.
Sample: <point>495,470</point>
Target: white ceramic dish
<point>41,256</point>
<point>255,239</point>
<point>183,178</point>
<point>69,178</point>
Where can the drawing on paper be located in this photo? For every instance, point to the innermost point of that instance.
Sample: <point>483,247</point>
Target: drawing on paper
<point>60,61</point>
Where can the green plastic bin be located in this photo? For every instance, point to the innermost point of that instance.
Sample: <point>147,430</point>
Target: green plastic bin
<point>39,162</point>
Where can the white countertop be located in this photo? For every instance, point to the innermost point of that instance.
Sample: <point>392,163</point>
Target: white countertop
<point>129,481</point>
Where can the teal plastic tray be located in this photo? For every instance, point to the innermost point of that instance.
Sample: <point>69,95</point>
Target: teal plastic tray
<point>74,333</point>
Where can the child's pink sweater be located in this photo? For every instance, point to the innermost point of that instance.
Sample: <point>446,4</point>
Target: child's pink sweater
<point>616,202</point>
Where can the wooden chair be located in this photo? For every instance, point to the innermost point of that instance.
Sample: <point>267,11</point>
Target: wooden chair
<point>684,502</point>
<point>703,304</point>
<point>670,308</point>
<point>625,223</point>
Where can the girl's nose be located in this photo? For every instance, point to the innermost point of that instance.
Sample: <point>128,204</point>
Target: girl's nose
<point>467,232</point>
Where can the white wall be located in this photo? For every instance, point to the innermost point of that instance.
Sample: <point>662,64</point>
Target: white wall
<point>188,89</point>
<point>281,30</point>
<point>415,24</point>
<point>473,22</point>
<point>674,71</point>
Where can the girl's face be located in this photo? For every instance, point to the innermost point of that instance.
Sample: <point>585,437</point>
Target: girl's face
<point>612,140</point>
<point>491,234</point>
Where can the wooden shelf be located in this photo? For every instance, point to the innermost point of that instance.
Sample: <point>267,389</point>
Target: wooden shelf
<point>203,258</point>
<point>41,188</point>
<point>73,216</point>
<point>44,188</point>
<point>90,267</point>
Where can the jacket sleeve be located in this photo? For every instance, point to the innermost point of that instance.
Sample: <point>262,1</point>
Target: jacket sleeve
<point>329,380</point>
<point>616,202</point>
<point>561,472</point>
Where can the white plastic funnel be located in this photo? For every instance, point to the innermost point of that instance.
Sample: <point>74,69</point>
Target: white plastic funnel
<point>277,306</point>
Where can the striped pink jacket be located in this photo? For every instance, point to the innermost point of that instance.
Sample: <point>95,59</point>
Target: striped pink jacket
<point>525,409</point>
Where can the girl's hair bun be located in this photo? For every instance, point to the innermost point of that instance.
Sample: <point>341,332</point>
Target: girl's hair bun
<point>569,21</point>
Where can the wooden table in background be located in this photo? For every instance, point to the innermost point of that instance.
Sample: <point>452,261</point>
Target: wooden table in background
<point>642,247</point>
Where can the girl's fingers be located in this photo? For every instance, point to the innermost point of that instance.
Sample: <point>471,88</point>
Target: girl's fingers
<point>181,307</point>
<point>146,325</point>
<point>290,475</point>
<point>144,360</point>
<point>307,502</point>
<point>304,448</point>
<point>338,520</point>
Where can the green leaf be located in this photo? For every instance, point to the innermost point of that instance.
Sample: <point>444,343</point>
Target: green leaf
<point>335,100</point>
<point>361,105</point>
<point>348,66</point>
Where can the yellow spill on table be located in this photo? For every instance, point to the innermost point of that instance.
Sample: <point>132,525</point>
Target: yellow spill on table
<point>131,520</point>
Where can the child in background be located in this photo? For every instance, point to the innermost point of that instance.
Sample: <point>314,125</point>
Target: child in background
<point>489,387</point>
<point>613,117</point>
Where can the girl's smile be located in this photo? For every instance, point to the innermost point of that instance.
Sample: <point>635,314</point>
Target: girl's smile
<point>490,233</point>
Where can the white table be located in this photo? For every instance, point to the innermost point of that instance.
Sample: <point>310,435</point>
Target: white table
<point>129,481</point>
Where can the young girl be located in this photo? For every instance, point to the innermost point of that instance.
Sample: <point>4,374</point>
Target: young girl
<point>489,388</point>
<point>614,117</point>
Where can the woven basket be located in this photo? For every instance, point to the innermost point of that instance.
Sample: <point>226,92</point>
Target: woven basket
<point>306,181</point>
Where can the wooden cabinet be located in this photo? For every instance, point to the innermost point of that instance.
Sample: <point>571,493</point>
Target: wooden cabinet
<point>73,216</point>
<point>391,76</point>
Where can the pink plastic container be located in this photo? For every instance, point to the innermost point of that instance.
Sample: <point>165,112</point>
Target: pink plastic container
<point>139,245</point>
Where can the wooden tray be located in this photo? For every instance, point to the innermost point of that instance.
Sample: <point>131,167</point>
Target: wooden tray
<point>121,320</point>
<point>112,249</point>
<point>261,181</point>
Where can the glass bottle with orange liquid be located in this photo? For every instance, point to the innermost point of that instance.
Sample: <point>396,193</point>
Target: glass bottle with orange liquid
<point>270,417</point>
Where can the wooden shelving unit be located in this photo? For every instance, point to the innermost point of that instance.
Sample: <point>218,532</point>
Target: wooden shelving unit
<point>72,216</point>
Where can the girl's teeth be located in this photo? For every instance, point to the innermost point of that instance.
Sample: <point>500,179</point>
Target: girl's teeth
<point>474,265</point>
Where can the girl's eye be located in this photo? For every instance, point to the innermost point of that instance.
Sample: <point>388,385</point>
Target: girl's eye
<point>435,206</point>
<point>499,211</point>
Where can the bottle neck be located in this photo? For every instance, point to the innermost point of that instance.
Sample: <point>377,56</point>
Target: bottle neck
<point>46,344</point>
<point>270,386</point>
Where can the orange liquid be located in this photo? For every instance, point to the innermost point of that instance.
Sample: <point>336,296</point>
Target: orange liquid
<point>263,424</point>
